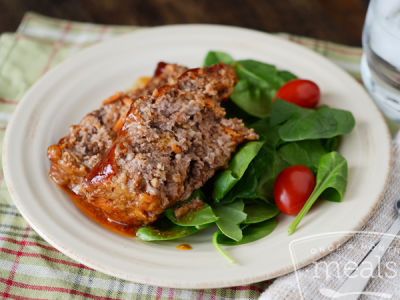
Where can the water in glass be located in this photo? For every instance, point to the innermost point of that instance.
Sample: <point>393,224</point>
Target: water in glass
<point>380,65</point>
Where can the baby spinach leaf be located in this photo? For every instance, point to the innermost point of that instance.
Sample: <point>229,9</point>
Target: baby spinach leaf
<point>246,188</point>
<point>259,211</point>
<point>331,144</point>
<point>331,182</point>
<point>266,131</point>
<point>258,84</point>
<point>204,226</point>
<point>193,218</point>
<point>307,153</point>
<point>251,233</point>
<point>267,179</point>
<point>164,230</point>
<point>299,123</point>
<point>229,217</point>
<point>259,74</point>
<point>282,111</point>
<point>257,182</point>
<point>234,111</point>
<point>285,76</point>
<point>214,57</point>
<point>240,161</point>
<point>324,122</point>
<point>316,125</point>
<point>344,119</point>
<point>218,247</point>
<point>254,100</point>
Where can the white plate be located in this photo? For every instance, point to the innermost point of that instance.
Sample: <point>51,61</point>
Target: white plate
<point>64,95</point>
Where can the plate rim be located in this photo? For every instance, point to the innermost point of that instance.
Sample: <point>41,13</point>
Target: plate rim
<point>167,283</point>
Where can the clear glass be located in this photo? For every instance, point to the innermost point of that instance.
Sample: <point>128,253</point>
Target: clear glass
<point>380,64</point>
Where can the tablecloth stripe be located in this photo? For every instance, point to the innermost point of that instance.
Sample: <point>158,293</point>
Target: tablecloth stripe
<point>57,46</point>
<point>10,280</point>
<point>29,267</point>
<point>9,102</point>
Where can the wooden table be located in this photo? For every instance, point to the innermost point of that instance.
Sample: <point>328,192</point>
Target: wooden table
<point>335,20</point>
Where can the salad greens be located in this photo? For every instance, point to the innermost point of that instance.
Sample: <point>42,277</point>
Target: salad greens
<point>258,179</point>
<point>251,233</point>
<point>237,166</point>
<point>197,218</point>
<point>163,230</point>
<point>297,123</point>
<point>257,85</point>
<point>330,183</point>
<point>229,218</point>
<point>214,57</point>
<point>307,153</point>
<point>238,201</point>
<point>259,211</point>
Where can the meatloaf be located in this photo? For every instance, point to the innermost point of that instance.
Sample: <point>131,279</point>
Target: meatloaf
<point>77,153</point>
<point>171,143</point>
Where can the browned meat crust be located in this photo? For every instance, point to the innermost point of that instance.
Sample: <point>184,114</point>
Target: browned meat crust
<point>193,205</point>
<point>171,143</point>
<point>77,153</point>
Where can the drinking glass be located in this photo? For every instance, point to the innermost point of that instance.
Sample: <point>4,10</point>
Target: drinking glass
<point>380,64</point>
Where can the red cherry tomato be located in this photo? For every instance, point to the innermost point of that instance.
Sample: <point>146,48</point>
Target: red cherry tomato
<point>292,188</point>
<point>304,93</point>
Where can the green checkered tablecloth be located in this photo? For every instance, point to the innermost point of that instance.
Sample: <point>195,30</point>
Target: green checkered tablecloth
<point>29,266</point>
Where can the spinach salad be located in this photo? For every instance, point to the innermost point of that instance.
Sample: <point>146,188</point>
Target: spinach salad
<point>239,200</point>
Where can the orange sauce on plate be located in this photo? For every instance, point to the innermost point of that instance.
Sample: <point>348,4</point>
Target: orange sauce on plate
<point>98,216</point>
<point>184,247</point>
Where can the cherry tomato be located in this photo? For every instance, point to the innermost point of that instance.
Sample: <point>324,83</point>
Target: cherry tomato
<point>304,93</point>
<point>292,188</point>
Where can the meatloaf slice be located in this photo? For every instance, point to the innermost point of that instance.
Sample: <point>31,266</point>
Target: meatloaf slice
<point>77,153</point>
<point>171,143</point>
